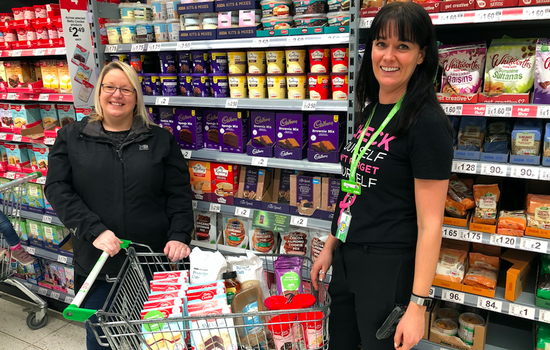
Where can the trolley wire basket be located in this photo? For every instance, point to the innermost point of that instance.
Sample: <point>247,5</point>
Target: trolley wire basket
<point>11,195</point>
<point>120,324</point>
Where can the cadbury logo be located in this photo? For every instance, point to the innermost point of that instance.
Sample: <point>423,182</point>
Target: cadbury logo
<point>184,117</point>
<point>256,151</point>
<point>285,153</point>
<point>211,117</point>
<point>456,63</point>
<point>227,120</point>
<point>165,115</point>
<point>320,156</point>
<point>510,60</point>
<point>261,120</point>
<point>322,123</point>
<point>285,122</point>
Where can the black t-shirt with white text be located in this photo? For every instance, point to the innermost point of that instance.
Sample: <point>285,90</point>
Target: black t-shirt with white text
<point>384,215</point>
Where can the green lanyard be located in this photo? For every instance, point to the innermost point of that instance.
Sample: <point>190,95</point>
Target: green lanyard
<point>350,185</point>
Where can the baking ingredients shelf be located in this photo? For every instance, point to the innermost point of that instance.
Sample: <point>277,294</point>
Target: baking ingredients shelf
<point>244,159</point>
<point>38,97</point>
<point>246,103</point>
<point>476,167</point>
<point>33,52</point>
<point>302,40</point>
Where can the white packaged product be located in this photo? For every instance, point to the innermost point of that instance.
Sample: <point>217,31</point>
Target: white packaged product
<point>206,266</point>
<point>250,271</point>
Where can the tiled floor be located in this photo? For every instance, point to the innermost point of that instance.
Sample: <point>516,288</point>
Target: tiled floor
<point>58,334</point>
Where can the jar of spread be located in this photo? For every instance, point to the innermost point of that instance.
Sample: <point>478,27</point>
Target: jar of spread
<point>232,286</point>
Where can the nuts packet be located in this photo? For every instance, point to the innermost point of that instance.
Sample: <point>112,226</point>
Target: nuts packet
<point>547,140</point>
<point>451,265</point>
<point>526,138</point>
<point>512,223</point>
<point>459,196</point>
<point>471,134</point>
<point>462,67</point>
<point>510,66</point>
<point>538,211</point>
<point>542,72</point>
<point>486,198</point>
<point>498,137</point>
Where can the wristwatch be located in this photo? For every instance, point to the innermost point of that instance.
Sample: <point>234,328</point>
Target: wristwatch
<point>422,301</point>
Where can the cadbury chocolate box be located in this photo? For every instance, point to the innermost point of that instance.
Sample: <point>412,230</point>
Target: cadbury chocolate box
<point>189,128</point>
<point>233,130</point>
<point>262,138</point>
<point>305,194</point>
<point>210,130</point>
<point>324,138</point>
<point>253,185</point>
<point>167,119</point>
<point>291,135</point>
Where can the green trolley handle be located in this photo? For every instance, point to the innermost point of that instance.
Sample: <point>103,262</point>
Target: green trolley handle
<point>73,312</point>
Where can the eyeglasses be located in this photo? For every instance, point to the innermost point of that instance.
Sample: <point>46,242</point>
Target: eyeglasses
<point>109,89</point>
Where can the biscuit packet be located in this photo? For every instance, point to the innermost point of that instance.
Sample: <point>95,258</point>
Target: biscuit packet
<point>542,72</point>
<point>451,265</point>
<point>462,67</point>
<point>510,66</point>
<point>471,134</point>
<point>538,211</point>
<point>486,198</point>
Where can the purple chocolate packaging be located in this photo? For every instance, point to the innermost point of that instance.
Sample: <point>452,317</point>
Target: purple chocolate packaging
<point>186,84</point>
<point>233,130</point>
<point>219,85</point>
<point>324,138</point>
<point>218,61</point>
<point>166,119</point>
<point>169,84</point>
<point>291,131</point>
<point>184,62</point>
<point>334,185</point>
<point>210,121</point>
<point>201,85</point>
<point>153,114</point>
<point>151,84</point>
<point>262,138</point>
<point>189,128</point>
<point>288,268</point>
<point>199,59</point>
<point>168,62</point>
<point>542,73</point>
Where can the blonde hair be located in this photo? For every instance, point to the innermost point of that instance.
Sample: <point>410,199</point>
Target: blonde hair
<point>140,110</point>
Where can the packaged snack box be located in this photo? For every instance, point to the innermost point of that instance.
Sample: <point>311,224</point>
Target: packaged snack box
<point>225,182</point>
<point>233,130</point>
<point>189,125</point>
<point>66,114</point>
<point>200,174</point>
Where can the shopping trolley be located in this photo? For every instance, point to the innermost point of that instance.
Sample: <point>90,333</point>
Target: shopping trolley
<point>123,329</point>
<point>12,194</point>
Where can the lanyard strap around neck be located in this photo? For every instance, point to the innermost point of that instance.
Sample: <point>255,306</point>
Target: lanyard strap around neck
<point>356,157</point>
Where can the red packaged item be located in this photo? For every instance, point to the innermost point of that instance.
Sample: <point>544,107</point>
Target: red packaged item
<point>319,86</point>
<point>18,14</point>
<point>319,59</point>
<point>206,305</point>
<point>41,33</point>
<point>31,33</point>
<point>339,56</point>
<point>170,274</point>
<point>10,36</point>
<point>167,287</point>
<point>52,10</point>
<point>225,182</point>
<point>339,82</point>
<point>52,32</point>
<point>167,295</point>
<point>208,294</point>
<point>40,11</point>
<point>182,279</point>
<point>5,17</point>
<point>166,311</point>
<point>28,13</point>
<point>158,304</point>
<point>312,325</point>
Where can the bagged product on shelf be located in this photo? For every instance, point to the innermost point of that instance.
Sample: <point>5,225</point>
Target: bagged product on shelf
<point>485,249</point>
<point>205,226</point>
<point>253,183</point>
<point>481,261</point>
<point>481,278</point>
<point>200,174</point>
<point>451,265</point>
<point>486,198</point>
<point>542,72</point>
<point>250,271</point>
<point>262,241</point>
<point>460,197</point>
<point>538,212</point>
<point>462,67</point>
<point>546,140</point>
<point>305,194</point>
<point>296,242</point>
<point>318,240</point>
<point>512,223</point>
<point>235,231</point>
<point>472,133</point>
<point>498,137</point>
<point>526,138</point>
<point>510,66</point>
<point>206,266</point>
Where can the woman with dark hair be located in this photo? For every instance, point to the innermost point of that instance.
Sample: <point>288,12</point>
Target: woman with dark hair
<point>385,241</point>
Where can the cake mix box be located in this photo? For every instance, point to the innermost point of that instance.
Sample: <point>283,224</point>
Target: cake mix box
<point>66,114</point>
<point>48,114</point>
<point>324,138</point>
<point>25,116</point>
<point>18,157</point>
<point>40,153</point>
<point>210,130</point>
<point>167,119</point>
<point>65,85</point>
<point>233,130</point>
<point>291,131</point>
<point>262,138</point>
<point>225,182</point>
<point>305,193</point>
<point>50,74</point>
<point>3,158</point>
<point>18,73</point>
<point>189,126</point>
<point>82,113</point>
<point>200,175</point>
<point>5,115</point>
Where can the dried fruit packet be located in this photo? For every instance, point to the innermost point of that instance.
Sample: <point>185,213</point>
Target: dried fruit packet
<point>462,67</point>
<point>486,198</point>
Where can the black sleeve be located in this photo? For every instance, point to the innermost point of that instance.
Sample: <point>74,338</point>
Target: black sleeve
<point>431,146</point>
<point>177,187</point>
<point>69,207</point>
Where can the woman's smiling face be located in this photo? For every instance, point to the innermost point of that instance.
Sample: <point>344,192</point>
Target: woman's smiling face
<point>117,106</point>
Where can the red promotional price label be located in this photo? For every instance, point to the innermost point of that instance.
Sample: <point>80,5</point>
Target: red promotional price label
<point>73,4</point>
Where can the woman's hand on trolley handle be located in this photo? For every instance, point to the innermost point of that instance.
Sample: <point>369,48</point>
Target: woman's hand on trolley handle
<point>176,250</point>
<point>108,242</point>
<point>411,327</point>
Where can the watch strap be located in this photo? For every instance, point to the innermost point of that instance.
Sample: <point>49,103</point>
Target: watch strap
<point>422,301</point>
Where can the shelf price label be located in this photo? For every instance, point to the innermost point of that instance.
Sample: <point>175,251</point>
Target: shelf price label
<point>488,16</point>
<point>526,172</point>
<point>295,40</point>
<point>366,22</point>
<point>260,42</point>
<point>452,296</point>
<point>47,219</point>
<point>543,112</point>
<point>28,285</point>
<point>11,96</point>
<point>111,48</point>
<point>464,167</point>
<point>41,180</point>
<point>39,52</point>
<point>494,169</point>
<point>69,300</point>
<point>183,46</point>
<point>544,174</point>
<point>16,53</point>
<point>451,109</point>
<point>162,101</point>
<point>451,18</point>
<point>54,295</point>
<point>544,316</point>
<point>533,13</point>
<point>298,221</point>
<point>154,47</point>
<point>259,161</point>
<point>10,175</point>
<point>472,236</point>
<point>31,250</point>
<point>244,212</point>
<point>187,154</point>
<point>503,241</point>
<point>3,136</point>
<point>522,311</point>
<point>432,292</point>
<point>17,138</point>
<point>62,259</point>
<point>194,204</point>
<point>489,304</point>
<point>499,111</point>
<point>60,51</point>
<point>231,103</point>
<point>42,291</point>
<point>452,233</point>
<point>337,38</point>
<point>309,105</point>
<point>215,207</point>
<point>137,48</point>
<point>49,141</point>
<point>44,97</point>
<point>534,245</point>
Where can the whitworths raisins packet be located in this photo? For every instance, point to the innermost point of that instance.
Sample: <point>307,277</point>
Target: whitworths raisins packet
<point>510,66</point>
<point>542,75</point>
<point>462,67</point>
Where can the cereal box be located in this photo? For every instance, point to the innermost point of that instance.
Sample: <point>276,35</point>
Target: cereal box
<point>225,182</point>
<point>200,174</point>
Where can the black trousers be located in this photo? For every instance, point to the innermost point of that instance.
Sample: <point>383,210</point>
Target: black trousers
<point>366,284</point>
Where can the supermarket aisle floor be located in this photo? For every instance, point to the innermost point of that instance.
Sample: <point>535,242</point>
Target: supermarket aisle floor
<point>58,334</point>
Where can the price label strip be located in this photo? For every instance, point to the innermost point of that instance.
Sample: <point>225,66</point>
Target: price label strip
<point>295,40</point>
<point>464,167</point>
<point>54,295</point>
<point>138,47</point>
<point>17,138</point>
<point>111,48</point>
<point>544,174</point>
<point>489,304</point>
<point>31,250</point>
<point>183,46</point>
<point>259,161</point>
<point>215,207</point>
<point>194,204</point>
<point>244,212</point>
<point>472,236</point>
<point>162,101</point>
<point>154,47</point>
<point>39,52</point>
<point>366,22</point>
<point>44,97</point>
<point>452,233</point>
<point>231,103</point>
<point>544,316</point>
<point>503,241</point>
<point>499,110</point>
<point>488,16</point>
<point>534,245</point>
<point>260,42</point>
<point>187,154</point>
<point>432,292</point>
<point>298,221</point>
<point>452,109</point>
<point>543,112</point>
<point>494,169</point>
<point>452,296</point>
<point>309,105</point>
<point>522,311</point>
<point>47,219</point>
<point>69,300</point>
<point>62,259</point>
<point>42,291</point>
<point>526,172</point>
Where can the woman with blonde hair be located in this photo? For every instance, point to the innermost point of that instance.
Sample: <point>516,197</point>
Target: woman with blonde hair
<point>116,175</point>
